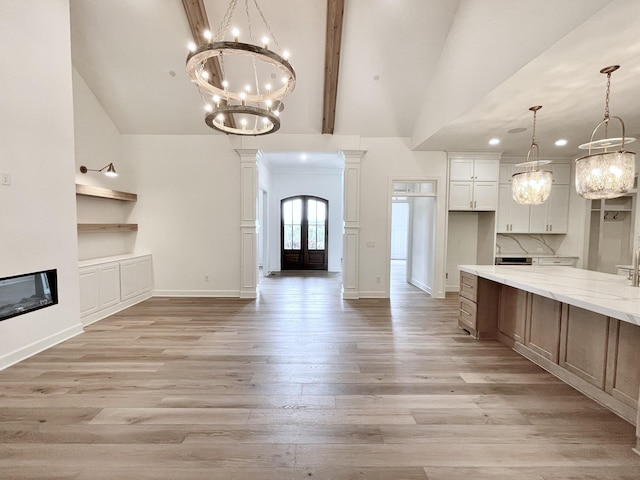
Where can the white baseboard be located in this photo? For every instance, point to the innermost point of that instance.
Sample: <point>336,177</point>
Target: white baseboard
<point>36,347</point>
<point>100,314</point>
<point>197,293</point>
<point>452,288</point>
<point>373,294</point>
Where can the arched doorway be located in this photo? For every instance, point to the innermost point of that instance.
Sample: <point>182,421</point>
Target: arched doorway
<point>305,233</point>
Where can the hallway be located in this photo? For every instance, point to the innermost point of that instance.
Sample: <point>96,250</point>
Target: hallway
<point>298,384</point>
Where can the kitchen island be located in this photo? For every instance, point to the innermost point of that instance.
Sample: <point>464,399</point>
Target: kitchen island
<point>582,326</point>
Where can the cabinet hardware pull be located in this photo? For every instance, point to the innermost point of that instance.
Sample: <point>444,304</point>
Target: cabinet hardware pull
<point>470,204</point>
<point>475,204</point>
<point>551,228</point>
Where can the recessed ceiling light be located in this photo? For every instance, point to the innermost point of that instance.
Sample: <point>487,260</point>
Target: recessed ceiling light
<point>376,77</point>
<point>172,73</point>
<point>517,130</point>
<point>561,143</point>
<point>494,141</point>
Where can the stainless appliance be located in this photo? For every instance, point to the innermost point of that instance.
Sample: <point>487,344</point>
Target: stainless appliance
<point>513,261</point>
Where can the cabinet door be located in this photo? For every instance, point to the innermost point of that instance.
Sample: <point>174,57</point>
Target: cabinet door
<point>109,285</point>
<point>542,332</point>
<point>561,173</point>
<point>623,363</point>
<point>461,169</point>
<point>128,279</point>
<point>485,196</point>
<point>583,348</point>
<point>512,217</point>
<point>486,170</point>
<point>145,275</point>
<point>504,175</point>
<point>460,195</point>
<point>89,290</point>
<point>512,313</point>
<point>558,209</point>
<point>538,217</point>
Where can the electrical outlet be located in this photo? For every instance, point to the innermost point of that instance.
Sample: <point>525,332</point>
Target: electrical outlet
<point>5,178</point>
<point>378,279</point>
<point>206,278</point>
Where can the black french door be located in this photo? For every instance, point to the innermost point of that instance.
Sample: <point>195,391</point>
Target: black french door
<point>304,233</point>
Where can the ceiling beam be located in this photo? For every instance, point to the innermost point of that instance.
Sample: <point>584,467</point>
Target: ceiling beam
<point>199,23</point>
<point>335,13</point>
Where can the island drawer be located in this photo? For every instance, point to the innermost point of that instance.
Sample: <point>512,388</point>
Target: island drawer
<point>467,316</point>
<point>468,286</point>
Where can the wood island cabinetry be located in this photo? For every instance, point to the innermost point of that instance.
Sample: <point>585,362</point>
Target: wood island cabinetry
<point>595,353</point>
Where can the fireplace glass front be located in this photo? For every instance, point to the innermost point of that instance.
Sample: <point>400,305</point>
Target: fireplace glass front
<point>21,294</point>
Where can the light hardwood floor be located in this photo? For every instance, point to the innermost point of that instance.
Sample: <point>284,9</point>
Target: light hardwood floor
<point>299,384</point>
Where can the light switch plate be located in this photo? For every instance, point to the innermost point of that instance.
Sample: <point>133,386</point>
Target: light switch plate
<point>5,178</point>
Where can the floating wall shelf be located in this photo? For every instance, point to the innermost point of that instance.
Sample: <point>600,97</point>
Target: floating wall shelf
<point>99,192</point>
<point>107,227</point>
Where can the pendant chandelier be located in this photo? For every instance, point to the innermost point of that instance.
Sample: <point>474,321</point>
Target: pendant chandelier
<point>533,186</point>
<point>255,79</point>
<point>606,174</point>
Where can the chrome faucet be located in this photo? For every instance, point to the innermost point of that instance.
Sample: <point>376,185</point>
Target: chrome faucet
<point>635,275</point>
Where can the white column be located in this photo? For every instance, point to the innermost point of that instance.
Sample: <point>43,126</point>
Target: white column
<point>351,235</point>
<point>248,217</point>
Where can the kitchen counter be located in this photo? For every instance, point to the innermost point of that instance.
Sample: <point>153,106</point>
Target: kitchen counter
<point>604,293</point>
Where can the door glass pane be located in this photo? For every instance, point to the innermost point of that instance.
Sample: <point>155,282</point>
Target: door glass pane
<point>288,237</point>
<point>296,237</point>
<point>311,210</point>
<point>322,212</point>
<point>287,215</point>
<point>291,219</point>
<point>320,237</point>
<point>311,237</point>
<point>297,211</point>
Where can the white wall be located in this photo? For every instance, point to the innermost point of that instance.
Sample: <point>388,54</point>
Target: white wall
<point>462,245</point>
<point>98,143</point>
<point>388,159</point>
<point>37,214</point>
<point>323,183</point>
<point>188,211</point>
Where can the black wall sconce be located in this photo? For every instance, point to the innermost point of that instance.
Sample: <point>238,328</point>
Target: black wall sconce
<point>109,170</point>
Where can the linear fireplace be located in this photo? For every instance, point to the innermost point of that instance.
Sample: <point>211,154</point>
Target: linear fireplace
<point>25,293</point>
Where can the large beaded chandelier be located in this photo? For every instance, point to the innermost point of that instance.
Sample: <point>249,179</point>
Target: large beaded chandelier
<point>533,186</point>
<point>255,78</point>
<point>608,174</point>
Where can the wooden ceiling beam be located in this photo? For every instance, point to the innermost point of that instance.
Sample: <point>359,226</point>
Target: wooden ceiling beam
<point>199,23</point>
<point>335,14</point>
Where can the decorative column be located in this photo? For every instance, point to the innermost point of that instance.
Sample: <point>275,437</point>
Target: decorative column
<point>248,233</point>
<point>351,234</point>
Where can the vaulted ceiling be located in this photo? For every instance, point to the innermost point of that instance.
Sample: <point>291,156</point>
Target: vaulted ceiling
<point>448,74</point>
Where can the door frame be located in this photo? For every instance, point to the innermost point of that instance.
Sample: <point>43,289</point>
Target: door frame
<point>439,250</point>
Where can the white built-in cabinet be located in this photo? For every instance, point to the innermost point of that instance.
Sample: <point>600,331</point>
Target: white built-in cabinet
<point>550,217</point>
<point>473,184</point>
<point>112,284</point>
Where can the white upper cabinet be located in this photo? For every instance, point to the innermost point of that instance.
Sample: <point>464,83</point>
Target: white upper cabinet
<point>550,217</point>
<point>473,184</point>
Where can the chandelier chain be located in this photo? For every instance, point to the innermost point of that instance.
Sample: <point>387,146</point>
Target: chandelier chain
<point>533,137</point>
<point>273,37</point>
<point>606,107</point>
<point>224,26</point>
<point>246,8</point>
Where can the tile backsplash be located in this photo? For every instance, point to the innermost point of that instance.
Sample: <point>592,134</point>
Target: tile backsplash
<point>509,244</point>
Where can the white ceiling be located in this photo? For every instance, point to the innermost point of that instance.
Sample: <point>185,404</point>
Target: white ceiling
<point>449,74</point>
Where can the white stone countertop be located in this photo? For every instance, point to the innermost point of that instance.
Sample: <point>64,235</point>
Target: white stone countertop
<point>116,258</point>
<point>603,293</point>
<point>534,255</point>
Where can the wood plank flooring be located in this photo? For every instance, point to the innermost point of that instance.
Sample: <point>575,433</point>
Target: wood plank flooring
<point>299,384</point>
